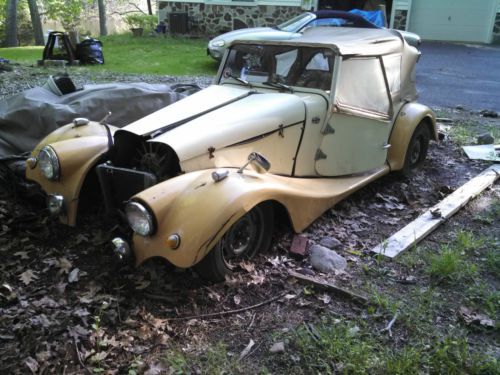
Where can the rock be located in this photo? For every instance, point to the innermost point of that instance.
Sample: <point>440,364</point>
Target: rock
<point>460,107</point>
<point>278,347</point>
<point>326,260</point>
<point>330,242</point>
<point>485,139</point>
<point>487,113</point>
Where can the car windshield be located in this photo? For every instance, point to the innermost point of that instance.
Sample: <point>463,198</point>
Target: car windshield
<point>296,23</point>
<point>279,66</point>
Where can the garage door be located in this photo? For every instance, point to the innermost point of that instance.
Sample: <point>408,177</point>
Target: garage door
<point>453,20</point>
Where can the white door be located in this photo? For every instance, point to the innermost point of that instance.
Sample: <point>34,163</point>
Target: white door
<point>453,20</point>
<point>355,138</point>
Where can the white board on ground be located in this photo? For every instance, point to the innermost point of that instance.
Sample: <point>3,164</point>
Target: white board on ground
<point>427,222</point>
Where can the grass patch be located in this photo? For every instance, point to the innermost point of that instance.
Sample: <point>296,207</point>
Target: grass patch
<point>451,263</point>
<point>215,360</point>
<point>146,55</point>
<point>347,347</point>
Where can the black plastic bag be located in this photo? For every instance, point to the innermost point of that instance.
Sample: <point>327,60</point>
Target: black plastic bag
<point>90,51</point>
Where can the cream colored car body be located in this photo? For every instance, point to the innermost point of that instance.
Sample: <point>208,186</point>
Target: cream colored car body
<point>323,143</point>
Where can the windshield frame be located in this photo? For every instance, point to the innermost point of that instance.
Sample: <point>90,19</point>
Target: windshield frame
<point>302,66</point>
<point>296,23</point>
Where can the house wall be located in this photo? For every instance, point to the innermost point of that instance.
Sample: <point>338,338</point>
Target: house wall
<point>212,19</point>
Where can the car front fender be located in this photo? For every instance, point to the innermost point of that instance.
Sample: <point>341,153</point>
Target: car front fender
<point>200,210</point>
<point>409,117</point>
<point>77,156</point>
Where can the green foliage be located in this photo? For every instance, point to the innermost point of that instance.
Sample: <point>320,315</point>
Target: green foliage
<point>141,20</point>
<point>67,12</point>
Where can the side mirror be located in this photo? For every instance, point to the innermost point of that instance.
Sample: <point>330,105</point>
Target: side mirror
<point>258,162</point>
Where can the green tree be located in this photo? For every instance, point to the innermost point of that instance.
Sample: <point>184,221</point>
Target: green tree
<point>67,12</point>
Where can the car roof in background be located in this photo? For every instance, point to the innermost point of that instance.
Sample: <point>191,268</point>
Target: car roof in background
<point>357,21</point>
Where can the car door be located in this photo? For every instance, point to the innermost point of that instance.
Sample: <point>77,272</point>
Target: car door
<point>356,134</point>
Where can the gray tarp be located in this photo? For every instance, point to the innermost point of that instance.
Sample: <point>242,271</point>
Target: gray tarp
<point>27,117</point>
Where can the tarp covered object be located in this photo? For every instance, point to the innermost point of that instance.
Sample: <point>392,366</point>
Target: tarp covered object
<point>28,117</point>
<point>374,16</point>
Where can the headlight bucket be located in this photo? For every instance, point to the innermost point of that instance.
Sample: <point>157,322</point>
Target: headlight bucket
<point>217,43</point>
<point>49,163</point>
<point>139,218</point>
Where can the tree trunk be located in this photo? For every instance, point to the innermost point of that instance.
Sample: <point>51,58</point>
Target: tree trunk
<point>35,21</point>
<point>150,10</point>
<point>11,24</point>
<point>103,29</point>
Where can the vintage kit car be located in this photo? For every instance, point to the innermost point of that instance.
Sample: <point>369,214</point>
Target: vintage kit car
<point>317,118</point>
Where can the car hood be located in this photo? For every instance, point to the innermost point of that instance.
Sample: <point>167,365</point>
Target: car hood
<point>257,33</point>
<point>217,117</point>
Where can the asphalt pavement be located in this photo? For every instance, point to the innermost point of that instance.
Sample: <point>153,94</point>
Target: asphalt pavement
<point>451,74</point>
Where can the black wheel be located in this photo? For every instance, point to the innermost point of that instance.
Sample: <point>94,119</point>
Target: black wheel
<point>417,149</point>
<point>250,234</point>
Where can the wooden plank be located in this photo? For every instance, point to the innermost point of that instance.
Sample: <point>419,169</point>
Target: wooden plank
<point>330,287</point>
<point>431,219</point>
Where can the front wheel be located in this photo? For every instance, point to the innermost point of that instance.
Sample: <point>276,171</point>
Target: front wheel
<point>417,149</point>
<point>249,235</point>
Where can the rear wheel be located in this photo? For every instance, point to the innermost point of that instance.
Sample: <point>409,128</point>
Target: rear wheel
<point>250,234</point>
<point>417,149</point>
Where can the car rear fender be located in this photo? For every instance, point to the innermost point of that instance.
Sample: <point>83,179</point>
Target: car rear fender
<point>77,156</point>
<point>409,117</point>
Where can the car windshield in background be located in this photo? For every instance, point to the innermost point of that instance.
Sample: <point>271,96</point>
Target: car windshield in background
<point>310,67</point>
<point>296,23</point>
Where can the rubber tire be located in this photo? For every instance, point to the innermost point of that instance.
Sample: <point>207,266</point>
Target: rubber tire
<point>214,267</point>
<point>417,149</point>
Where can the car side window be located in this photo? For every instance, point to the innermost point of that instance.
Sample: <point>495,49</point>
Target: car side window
<point>362,88</point>
<point>317,72</point>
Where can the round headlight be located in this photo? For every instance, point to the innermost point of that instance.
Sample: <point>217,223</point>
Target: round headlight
<point>218,43</point>
<point>49,163</point>
<point>139,218</point>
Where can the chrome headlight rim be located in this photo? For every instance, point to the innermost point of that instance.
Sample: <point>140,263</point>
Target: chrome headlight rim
<point>217,43</point>
<point>48,155</point>
<point>139,208</point>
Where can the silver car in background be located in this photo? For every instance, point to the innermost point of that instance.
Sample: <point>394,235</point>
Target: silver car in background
<point>294,27</point>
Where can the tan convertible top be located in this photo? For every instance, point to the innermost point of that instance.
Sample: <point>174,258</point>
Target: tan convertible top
<point>346,41</point>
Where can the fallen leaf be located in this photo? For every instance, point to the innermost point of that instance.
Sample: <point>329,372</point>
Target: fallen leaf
<point>471,317</point>
<point>73,275</point>
<point>64,264</point>
<point>22,254</point>
<point>98,357</point>
<point>157,369</point>
<point>237,299</point>
<point>325,298</point>
<point>27,277</point>
<point>247,266</point>
<point>32,364</point>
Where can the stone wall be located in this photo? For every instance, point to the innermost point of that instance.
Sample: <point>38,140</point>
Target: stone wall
<point>496,29</point>
<point>211,20</point>
<point>400,17</point>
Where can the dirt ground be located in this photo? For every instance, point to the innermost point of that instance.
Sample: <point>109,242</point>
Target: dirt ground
<point>66,307</point>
